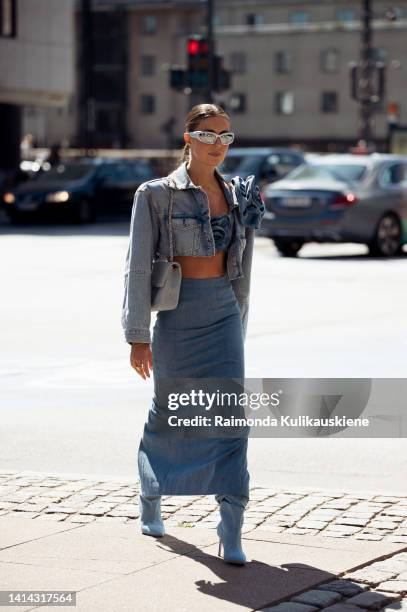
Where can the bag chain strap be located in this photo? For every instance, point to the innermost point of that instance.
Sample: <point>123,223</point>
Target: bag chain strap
<point>170,223</point>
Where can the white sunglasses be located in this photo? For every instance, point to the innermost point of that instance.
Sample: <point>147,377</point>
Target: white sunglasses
<point>210,137</point>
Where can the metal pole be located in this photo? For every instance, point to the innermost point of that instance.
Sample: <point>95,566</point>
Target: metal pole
<point>211,48</point>
<point>366,74</point>
<point>87,102</point>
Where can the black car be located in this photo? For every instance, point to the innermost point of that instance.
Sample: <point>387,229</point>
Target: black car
<point>9,180</point>
<point>268,164</point>
<point>79,190</point>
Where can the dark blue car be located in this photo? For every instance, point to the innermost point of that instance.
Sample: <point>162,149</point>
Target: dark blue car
<point>268,164</point>
<point>79,190</point>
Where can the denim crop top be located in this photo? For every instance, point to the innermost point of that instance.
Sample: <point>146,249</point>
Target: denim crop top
<point>222,229</point>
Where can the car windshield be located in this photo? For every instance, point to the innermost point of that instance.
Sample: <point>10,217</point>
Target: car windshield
<point>339,172</point>
<point>241,164</point>
<point>66,172</point>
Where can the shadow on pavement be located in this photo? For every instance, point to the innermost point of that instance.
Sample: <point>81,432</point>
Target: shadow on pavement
<point>255,585</point>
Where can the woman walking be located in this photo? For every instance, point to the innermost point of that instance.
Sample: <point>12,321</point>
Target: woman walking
<point>213,225</point>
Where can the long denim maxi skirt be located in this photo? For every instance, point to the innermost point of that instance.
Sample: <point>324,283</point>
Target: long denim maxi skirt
<point>201,338</point>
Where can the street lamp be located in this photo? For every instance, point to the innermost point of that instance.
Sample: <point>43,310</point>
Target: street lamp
<point>367,79</point>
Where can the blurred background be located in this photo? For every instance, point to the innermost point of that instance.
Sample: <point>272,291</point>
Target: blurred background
<point>93,97</point>
<point>98,72</point>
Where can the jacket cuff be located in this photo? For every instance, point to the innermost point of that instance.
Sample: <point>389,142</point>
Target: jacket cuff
<point>244,314</point>
<point>137,335</point>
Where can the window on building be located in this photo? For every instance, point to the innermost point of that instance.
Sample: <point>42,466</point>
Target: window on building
<point>330,60</point>
<point>238,62</point>
<point>346,14</point>
<point>254,19</point>
<point>8,18</point>
<point>283,61</point>
<point>396,12</point>
<point>300,17</point>
<point>108,85</point>
<point>147,65</point>
<point>284,102</point>
<point>237,103</point>
<point>329,102</point>
<point>109,38</point>
<point>108,120</point>
<point>148,24</point>
<point>147,104</point>
<point>216,20</point>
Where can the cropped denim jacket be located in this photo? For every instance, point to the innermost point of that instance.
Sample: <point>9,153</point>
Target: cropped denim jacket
<point>192,235</point>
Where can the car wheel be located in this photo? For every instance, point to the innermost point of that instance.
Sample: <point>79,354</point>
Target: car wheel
<point>84,212</point>
<point>288,248</point>
<point>387,238</point>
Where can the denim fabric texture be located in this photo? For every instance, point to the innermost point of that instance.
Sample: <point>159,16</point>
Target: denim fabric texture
<point>192,235</point>
<point>200,339</point>
<point>222,228</point>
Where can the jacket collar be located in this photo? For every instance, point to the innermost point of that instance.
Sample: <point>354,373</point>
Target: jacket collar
<point>181,180</point>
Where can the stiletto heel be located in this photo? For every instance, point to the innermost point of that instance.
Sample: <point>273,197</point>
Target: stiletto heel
<point>150,515</point>
<point>229,532</point>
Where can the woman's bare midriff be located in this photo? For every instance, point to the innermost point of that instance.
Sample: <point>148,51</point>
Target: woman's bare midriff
<point>202,267</point>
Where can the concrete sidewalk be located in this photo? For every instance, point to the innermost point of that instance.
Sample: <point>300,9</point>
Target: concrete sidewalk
<point>307,550</point>
<point>114,568</point>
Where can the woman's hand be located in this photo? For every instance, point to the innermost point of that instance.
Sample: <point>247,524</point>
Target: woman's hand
<point>141,358</point>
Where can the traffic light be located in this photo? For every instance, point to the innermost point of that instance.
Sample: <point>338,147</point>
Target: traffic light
<point>221,77</point>
<point>377,75</point>
<point>393,113</point>
<point>177,78</point>
<point>197,76</point>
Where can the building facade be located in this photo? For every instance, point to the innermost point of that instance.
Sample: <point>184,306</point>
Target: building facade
<point>291,69</point>
<point>36,66</point>
<point>289,61</point>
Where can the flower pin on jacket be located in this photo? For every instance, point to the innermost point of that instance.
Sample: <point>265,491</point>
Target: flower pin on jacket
<point>251,205</point>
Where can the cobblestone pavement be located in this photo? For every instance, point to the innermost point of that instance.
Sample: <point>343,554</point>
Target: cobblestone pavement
<point>382,585</point>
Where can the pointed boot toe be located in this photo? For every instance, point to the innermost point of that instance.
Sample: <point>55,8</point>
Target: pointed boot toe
<point>153,529</point>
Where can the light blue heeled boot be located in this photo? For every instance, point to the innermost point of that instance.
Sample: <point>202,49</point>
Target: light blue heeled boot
<point>150,515</point>
<point>229,529</point>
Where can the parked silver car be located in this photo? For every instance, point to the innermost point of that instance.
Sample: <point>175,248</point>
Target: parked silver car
<point>340,198</point>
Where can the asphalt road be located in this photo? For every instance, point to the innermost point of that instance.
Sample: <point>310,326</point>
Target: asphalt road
<point>70,402</point>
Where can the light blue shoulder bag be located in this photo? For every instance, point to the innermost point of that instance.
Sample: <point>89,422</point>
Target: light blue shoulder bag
<point>166,274</point>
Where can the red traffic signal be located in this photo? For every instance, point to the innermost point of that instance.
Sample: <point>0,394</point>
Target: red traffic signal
<point>197,46</point>
<point>193,47</point>
<point>197,76</point>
